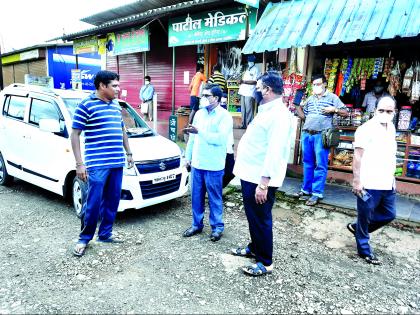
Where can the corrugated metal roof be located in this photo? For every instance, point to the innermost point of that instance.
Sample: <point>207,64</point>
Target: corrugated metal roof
<point>141,17</point>
<point>127,10</point>
<point>315,22</point>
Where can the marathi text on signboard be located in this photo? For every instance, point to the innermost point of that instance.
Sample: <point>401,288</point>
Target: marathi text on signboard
<point>211,27</point>
<point>131,41</point>
<point>85,45</point>
<point>173,127</point>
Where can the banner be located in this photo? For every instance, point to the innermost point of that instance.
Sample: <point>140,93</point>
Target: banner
<point>223,25</point>
<point>131,41</point>
<point>85,45</point>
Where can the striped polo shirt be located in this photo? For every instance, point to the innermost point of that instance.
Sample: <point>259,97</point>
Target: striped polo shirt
<point>219,79</point>
<point>315,120</point>
<point>102,125</point>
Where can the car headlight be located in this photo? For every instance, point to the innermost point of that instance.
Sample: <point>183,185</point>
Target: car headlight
<point>129,171</point>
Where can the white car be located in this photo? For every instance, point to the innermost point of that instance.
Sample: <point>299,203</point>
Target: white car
<point>35,124</point>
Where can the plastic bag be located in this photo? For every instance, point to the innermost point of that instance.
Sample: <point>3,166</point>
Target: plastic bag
<point>408,77</point>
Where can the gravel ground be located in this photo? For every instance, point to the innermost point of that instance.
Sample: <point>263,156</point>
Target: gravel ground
<point>157,271</point>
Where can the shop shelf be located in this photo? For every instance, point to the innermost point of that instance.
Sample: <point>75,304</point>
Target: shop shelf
<point>414,146</point>
<point>408,179</point>
<point>340,168</point>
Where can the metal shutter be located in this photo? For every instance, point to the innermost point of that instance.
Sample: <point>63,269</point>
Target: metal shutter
<point>20,70</point>
<point>8,77</point>
<point>38,68</point>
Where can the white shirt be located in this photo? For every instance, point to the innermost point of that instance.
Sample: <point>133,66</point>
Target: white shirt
<point>378,162</point>
<point>249,75</point>
<point>264,148</point>
<point>207,149</point>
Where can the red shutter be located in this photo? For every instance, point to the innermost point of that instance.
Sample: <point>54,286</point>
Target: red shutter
<point>186,57</point>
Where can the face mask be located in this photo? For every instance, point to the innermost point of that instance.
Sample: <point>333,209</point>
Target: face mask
<point>147,82</point>
<point>317,89</point>
<point>378,89</point>
<point>204,103</point>
<point>384,118</point>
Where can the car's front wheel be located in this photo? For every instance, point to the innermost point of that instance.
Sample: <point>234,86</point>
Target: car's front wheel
<point>79,189</point>
<point>5,178</point>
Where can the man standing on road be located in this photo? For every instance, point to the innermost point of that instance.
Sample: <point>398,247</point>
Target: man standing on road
<point>99,116</point>
<point>194,87</point>
<point>373,176</point>
<point>146,97</point>
<point>246,91</point>
<point>206,153</point>
<point>317,112</point>
<point>261,163</point>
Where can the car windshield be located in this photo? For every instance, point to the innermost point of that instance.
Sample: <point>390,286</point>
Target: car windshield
<point>134,124</point>
<point>71,104</point>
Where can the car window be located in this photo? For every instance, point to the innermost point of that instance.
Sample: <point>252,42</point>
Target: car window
<point>41,109</point>
<point>135,126</point>
<point>15,106</point>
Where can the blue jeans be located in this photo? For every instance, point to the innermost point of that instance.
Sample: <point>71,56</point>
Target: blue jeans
<point>315,164</point>
<point>260,222</point>
<point>373,214</point>
<point>211,182</point>
<point>103,198</point>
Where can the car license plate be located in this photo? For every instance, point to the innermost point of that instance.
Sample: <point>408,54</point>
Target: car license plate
<point>162,179</point>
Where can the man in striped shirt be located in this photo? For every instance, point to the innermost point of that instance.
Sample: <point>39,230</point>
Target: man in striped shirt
<point>99,117</point>
<point>317,113</point>
<point>218,78</point>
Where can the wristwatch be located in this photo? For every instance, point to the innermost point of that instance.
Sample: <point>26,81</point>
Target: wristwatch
<point>262,186</point>
<point>336,110</point>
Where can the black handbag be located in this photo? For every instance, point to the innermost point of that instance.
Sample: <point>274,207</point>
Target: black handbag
<point>330,137</point>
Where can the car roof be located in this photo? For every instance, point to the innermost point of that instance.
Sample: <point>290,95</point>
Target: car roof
<point>26,88</point>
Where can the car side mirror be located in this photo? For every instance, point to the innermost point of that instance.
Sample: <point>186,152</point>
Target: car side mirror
<point>49,125</point>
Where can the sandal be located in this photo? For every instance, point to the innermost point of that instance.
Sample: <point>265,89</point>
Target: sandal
<point>312,201</point>
<point>351,228</point>
<point>371,259</point>
<point>257,269</point>
<point>300,194</point>
<point>80,249</point>
<point>243,252</point>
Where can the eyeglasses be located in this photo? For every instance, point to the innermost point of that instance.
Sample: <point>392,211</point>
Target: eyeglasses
<point>207,95</point>
<point>389,111</point>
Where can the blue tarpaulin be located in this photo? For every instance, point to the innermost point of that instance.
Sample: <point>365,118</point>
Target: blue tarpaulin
<point>300,23</point>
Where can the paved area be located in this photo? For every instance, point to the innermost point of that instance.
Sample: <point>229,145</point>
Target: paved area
<point>408,209</point>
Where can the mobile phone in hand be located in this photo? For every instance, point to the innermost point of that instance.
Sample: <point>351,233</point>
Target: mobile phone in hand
<point>365,195</point>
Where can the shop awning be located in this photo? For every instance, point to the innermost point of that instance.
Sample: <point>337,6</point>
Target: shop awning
<point>315,22</point>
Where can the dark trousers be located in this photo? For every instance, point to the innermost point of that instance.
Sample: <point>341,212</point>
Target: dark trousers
<point>103,198</point>
<point>260,222</point>
<point>373,214</point>
<point>229,164</point>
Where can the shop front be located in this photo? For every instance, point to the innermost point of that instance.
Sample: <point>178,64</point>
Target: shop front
<point>356,49</point>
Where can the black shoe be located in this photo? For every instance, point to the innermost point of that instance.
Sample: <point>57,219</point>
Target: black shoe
<point>191,231</point>
<point>215,236</point>
<point>352,228</point>
<point>371,259</point>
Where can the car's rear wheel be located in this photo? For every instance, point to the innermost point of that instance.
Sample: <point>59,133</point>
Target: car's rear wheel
<point>5,178</point>
<point>79,189</point>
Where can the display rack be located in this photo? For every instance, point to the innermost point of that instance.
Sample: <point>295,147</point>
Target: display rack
<point>341,157</point>
<point>234,99</point>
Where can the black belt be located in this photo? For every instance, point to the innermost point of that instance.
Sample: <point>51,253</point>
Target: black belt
<point>312,132</point>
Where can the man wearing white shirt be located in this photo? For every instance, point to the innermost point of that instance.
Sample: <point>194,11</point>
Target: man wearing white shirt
<point>246,91</point>
<point>373,176</point>
<point>206,153</point>
<point>261,163</point>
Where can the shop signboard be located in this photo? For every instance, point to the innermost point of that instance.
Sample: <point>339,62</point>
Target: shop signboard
<point>85,45</point>
<point>131,41</point>
<point>251,3</point>
<point>173,127</point>
<point>223,25</point>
